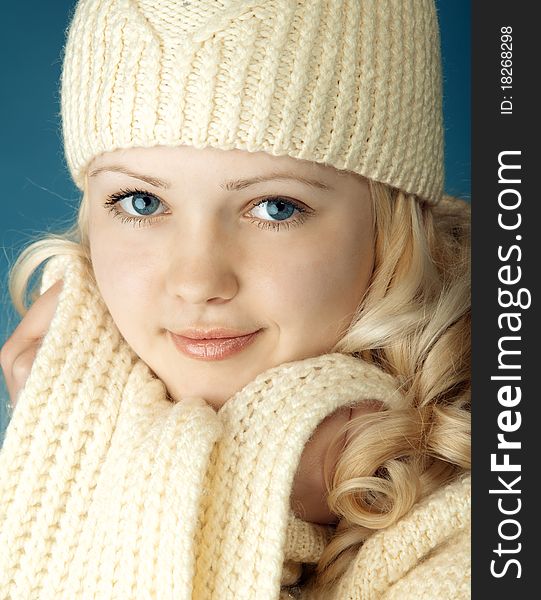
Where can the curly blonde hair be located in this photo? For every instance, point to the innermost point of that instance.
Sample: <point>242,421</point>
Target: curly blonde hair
<point>413,323</point>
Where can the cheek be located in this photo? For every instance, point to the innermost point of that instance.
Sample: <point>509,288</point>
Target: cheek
<point>124,275</point>
<point>321,284</point>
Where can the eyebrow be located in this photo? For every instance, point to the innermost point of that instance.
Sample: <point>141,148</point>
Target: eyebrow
<point>119,169</point>
<point>232,185</point>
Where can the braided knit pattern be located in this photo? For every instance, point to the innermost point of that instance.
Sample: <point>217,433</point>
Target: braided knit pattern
<point>109,490</point>
<point>355,84</point>
<point>426,555</point>
<point>100,482</point>
<point>266,427</point>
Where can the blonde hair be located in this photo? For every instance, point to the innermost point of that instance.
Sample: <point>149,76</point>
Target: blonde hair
<point>413,322</point>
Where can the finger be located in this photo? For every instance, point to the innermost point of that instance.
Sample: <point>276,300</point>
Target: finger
<point>35,323</point>
<point>20,371</point>
<point>18,352</point>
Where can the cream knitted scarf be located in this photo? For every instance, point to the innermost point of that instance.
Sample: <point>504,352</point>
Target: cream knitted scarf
<point>111,490</point>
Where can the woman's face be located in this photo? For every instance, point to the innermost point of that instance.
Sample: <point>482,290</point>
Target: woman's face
<point>206,239</point>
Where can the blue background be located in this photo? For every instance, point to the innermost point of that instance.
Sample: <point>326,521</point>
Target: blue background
<point>37,193</point>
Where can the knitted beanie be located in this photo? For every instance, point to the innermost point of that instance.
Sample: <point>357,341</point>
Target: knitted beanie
<point>354,84</point>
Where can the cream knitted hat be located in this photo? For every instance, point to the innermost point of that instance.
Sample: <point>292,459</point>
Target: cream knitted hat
<point>355,84</point>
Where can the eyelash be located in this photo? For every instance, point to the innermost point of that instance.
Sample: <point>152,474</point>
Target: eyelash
<point>113,199</point>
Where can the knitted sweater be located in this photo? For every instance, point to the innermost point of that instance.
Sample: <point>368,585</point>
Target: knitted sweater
<point>109,490</point>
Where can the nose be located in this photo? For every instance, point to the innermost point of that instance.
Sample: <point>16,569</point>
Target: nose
<point>202,266</point>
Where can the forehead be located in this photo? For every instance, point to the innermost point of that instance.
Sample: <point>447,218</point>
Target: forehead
<point>209,162</point>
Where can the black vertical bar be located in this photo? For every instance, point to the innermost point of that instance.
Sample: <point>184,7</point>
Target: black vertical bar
<point>506,266</point>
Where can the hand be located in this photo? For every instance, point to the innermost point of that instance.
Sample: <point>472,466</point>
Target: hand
<point>18,353</point>
<point>308,498</point>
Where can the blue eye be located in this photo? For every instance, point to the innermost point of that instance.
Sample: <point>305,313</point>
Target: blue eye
<point>139,201</point>
<point>139,208</point>
<point>144,204</point>
<point>277,208</point>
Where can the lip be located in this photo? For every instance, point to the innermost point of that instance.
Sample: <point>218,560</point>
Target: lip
<point>216,344</point>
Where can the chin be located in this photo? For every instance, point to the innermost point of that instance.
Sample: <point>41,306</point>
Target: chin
<point>210,397</point>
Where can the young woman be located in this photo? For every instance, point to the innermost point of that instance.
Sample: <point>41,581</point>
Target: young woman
<point>246,371</point>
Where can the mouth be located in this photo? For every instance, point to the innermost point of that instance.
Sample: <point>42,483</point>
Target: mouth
<point>218,347</point>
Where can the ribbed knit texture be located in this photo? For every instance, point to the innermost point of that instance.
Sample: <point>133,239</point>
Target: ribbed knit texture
<point>100,483</point>
<point>109,490</point>
<point>355,84</point>
<point>424,556</point>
